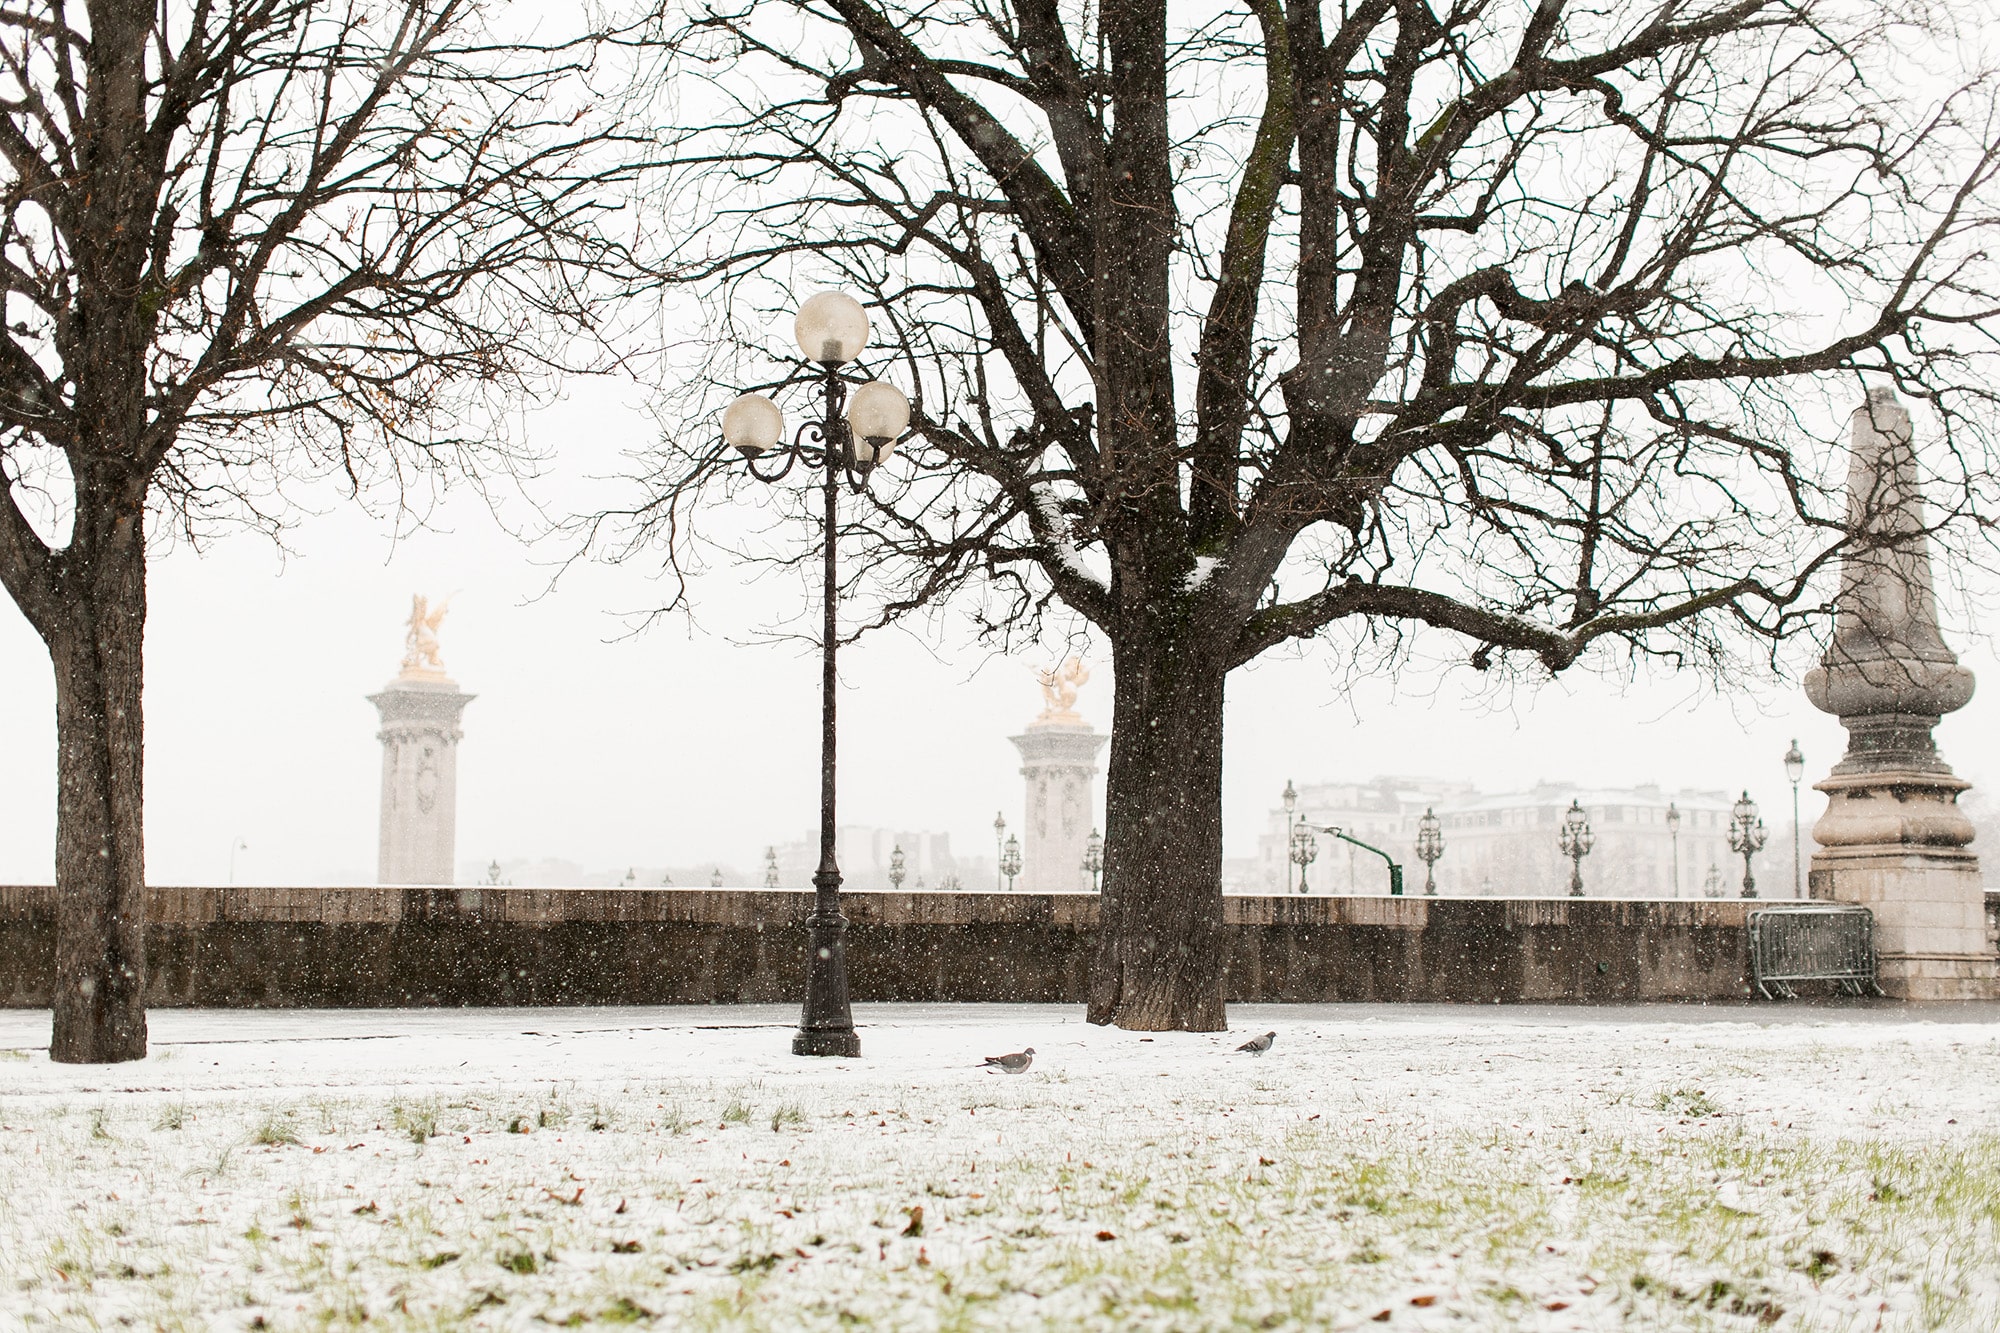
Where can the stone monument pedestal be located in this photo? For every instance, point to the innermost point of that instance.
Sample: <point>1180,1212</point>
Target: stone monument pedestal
<point>1893,838</point>
<point>420,709</point>
<point>1897,844</point>
<point>420,737</point>
<point>1059,760</point>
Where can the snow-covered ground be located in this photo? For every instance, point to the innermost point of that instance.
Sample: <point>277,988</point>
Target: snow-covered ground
<point>1401,1167</point>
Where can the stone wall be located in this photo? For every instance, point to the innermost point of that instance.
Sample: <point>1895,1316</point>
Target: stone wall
<point>398,946</point>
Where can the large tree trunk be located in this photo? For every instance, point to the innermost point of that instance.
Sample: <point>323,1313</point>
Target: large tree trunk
<point>1160,949</point>
<point>96,642</point>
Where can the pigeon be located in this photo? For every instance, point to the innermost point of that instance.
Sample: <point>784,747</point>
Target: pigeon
<point>1259,1045</point>
<point>1016,1063</point>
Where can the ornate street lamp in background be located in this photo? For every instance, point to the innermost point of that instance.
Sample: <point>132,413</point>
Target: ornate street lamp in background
<point>999,836</point>
<point>1291,804</point>
<point>1746,838</point>
<point>1430,846</point>
<point>896,864</point>
<point>770,867</point>
<point>1795,768</point>
<point>831,328</point>
<point>1576,841</point>
<point>1305,850</point>
<point>1010,860</point>
<point>1674,835</point>
<point>1093,857</point>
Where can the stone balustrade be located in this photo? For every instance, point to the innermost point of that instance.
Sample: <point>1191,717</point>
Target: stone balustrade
<point>378,946</point>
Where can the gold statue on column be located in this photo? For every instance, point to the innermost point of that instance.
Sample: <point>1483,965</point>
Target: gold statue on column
<point>1059,689</point>
<point>420,646</point>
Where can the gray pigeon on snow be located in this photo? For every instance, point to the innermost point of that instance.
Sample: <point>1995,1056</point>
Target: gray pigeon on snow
<point>1016,1063</point>
<point>1259,1045</point>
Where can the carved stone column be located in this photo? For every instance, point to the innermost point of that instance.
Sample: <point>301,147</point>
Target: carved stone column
<point>1893,838</point>
<point>1059,761</point>
<point>420,712</point>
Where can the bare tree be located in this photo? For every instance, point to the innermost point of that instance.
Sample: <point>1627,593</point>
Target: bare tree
<point>1520,323</point>
<point>244,242</point>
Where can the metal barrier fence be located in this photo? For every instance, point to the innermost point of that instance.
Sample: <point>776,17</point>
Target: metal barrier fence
<point>1812,941</point>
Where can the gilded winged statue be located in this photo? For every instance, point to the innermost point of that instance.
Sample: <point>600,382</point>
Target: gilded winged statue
<point>420,645</point>
<point>1059,689</point>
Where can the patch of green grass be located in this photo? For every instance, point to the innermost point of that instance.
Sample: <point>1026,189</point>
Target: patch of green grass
<point>625,1310</point>
<point>174,1115</point>
<point>416,1121</point>
<point>736,1112</point>
<point>522,1261</point>
<point>1692,1103</point>
<point>275,1131</point>
<point>788,1114</point>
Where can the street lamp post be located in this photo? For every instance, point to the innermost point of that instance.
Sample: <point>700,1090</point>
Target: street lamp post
<point>1674,836</point>
<point>1795,768</point>
<point>1576,840</point>
<point>831,328</point>
<point>999,837</point>
<point>1305,850</point>
<point>1746,838</point>
<point>1291,803</point>
<point>770,867</point>
<point>1093,857</point>
<point>896,865</point>
<point>1010,860</point>
<point>1430,846</point>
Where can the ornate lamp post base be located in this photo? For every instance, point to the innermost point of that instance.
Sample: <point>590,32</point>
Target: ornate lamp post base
<point>826,1027</point>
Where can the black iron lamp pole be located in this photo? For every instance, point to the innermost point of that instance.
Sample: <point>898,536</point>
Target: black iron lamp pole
<point>1575,840</point>
<point>1430,846</point>
<point>1746,838</point>
<point>832,328</point>
<point>1674,837</point>
<point>1795,769</point>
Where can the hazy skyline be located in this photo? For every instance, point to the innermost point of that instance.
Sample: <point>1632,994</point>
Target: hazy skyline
<point>681,745</point>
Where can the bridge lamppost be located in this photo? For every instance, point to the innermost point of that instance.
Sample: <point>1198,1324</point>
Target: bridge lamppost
<point>831,328</point>
<point>1576,840</point>
<point>897,867</point>
<point>1010,860</point>
<point>1305,850</point>
<point>1674,836</point>
<point>1093,857</point>
<point>1795,769</point>
<point>1746,838</point>
<point>1430,846</point>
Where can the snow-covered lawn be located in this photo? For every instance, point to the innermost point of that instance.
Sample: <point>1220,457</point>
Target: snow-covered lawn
<point>1394,1167</point>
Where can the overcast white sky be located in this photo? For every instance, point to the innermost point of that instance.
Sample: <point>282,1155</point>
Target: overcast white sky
<point>681,746</point>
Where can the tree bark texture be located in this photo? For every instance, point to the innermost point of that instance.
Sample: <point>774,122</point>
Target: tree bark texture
<point>96,644</point>
<point>1159,961</point>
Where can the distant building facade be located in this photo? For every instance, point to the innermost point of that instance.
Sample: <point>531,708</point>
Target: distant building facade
<point>865,855</point>
<point>1505,844</point>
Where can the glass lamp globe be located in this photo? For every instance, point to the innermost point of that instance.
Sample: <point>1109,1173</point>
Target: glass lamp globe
<point>878,414</point>
<point>752,424</point>
<point>831,327</point>
<point>1795,764</point>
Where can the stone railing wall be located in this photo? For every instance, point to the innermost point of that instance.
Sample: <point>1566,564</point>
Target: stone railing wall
<point>490,946</point>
